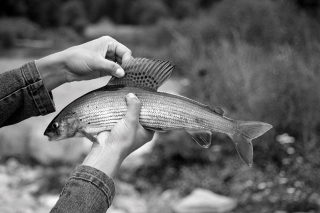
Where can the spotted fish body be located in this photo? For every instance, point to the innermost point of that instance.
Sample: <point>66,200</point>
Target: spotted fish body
<point>101,109</point>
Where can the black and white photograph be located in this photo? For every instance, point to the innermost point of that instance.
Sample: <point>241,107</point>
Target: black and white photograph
<point>159,106</point>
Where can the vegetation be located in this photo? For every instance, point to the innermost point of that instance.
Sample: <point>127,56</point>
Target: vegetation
<point>257,59</point>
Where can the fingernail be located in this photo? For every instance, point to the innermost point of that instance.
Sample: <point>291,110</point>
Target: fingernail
<point>119,73</point>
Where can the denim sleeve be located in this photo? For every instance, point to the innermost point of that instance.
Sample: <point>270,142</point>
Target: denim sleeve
<point>23,95</point>
<point>88,190</point>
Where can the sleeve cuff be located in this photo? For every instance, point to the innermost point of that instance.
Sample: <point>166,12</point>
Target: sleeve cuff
<point>97,178</point>
<point>42,98</point>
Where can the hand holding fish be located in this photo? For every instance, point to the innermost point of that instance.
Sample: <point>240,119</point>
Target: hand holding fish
<point>90,60</point>
<point>125,137</point>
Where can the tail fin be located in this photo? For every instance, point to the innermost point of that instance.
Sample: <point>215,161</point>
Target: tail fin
<point>248,130</point>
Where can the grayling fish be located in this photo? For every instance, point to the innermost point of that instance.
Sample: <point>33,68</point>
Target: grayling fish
<point>101,109</point>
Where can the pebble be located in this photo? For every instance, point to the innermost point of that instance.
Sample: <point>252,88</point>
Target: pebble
<point>204,201</point>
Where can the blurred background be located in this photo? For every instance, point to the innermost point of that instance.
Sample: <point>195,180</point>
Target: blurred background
<point>258,59</point>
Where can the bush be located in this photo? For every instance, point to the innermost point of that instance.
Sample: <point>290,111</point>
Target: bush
<point>14,29</point>
<point>147,12</point>
<point>17,28</point>
<point>73,15</point>
<point>259,60</point>
<point>262,23</point>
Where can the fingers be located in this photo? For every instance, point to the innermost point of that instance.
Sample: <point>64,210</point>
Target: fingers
<point>132,119</point>
<point>97,58</point>
<point>111,51</point>
<point>117,52</point>
<point>127,135</point>
<point>107,67</point>
<point>133,115</point>
<point>102,136</point>
<point>134,108</point>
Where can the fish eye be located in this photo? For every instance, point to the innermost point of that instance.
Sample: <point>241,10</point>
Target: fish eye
<point>55,125</point>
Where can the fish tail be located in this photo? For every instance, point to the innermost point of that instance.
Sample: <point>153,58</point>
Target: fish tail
<point>248,130</point>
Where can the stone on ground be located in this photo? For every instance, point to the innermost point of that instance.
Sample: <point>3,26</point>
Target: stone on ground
<point>205,201</point>
<point>128,199</point>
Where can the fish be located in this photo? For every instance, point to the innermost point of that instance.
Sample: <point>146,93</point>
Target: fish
<point>100,109</point>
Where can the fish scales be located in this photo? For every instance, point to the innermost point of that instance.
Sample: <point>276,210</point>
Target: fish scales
<point>101,109</point>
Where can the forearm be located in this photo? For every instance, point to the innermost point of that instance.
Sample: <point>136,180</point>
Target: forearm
<point>90,187</point>
<point>104,159</point>
<point>23,95</point>
<point>52,70</point>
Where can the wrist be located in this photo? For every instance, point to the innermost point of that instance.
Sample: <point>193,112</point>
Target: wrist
<point>52,70</point>
<point>106,161</point>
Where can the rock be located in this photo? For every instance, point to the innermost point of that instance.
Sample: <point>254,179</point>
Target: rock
<point>49,200</point>
<point>130,204</point>
<point>170,195</point>
<point>128,199</point>
<point>123,188</point>
<point>5,180</point>
<point>205,201</point>
<point>18,184</point>
<point>163,202</point>
<point>12,165</point>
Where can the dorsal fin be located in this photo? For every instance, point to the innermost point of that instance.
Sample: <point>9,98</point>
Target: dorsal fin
<point>142,72</point>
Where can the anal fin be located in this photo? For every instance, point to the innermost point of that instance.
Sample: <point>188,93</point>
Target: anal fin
<point>201,136</point>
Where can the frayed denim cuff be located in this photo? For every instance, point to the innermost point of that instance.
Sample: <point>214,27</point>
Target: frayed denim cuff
<point>97,178</point>
<point>42,98</point>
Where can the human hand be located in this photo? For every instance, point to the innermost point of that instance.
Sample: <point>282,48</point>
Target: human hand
<point>94,59</point>
<point>125,137</point>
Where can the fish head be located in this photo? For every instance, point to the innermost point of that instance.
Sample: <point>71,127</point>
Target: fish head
<point>62,127</point>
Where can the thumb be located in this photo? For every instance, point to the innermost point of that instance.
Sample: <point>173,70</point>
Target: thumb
<point>134,108</point>
<point>107,67</point>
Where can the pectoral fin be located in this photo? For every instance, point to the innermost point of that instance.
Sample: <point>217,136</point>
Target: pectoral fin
<point>88,135</point>
<point>202,136</point>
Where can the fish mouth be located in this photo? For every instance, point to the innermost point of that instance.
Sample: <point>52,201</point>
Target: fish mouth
<point>52,136</point>
<point>49,135</point>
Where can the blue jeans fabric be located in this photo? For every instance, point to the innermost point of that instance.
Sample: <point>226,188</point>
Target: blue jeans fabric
<point>23,95</point>
<point>88,190</point>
